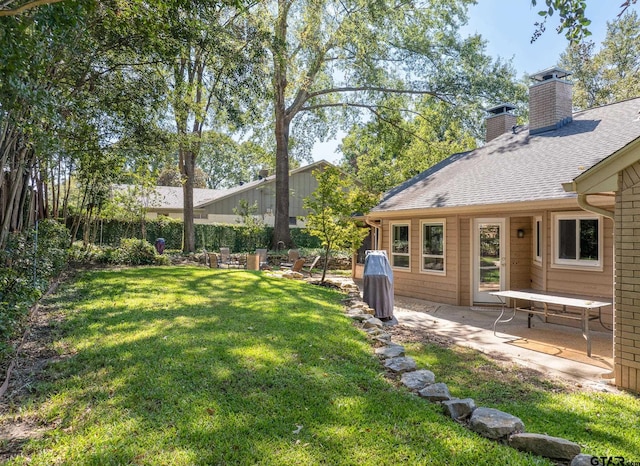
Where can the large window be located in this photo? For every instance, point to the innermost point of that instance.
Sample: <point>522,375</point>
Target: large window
<point>577,240</point>
<point>400,246</point>
<point>433,246</point>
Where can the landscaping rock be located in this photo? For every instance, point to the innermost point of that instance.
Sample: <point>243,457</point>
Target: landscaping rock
<point>494,424</point>
<point>545,445</point>
<point>400,364</point>
<point>359,316</point>
<point>383,337</point>
<point>435,392</point>
<point>585,460</point>
<point>459,408</point>
<point>390,351</point>
<point>417,380</point>
<point>373,322</point>
<point>293,275</point>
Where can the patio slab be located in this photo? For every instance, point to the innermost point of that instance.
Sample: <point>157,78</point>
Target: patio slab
<point>553,349</point>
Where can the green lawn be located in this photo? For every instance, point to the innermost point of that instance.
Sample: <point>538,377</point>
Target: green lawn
<point>190,365</point>
<point>603,423</point>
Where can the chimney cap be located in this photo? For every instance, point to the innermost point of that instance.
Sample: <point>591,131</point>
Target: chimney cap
<point>550,73</point>
<point>501,108</point>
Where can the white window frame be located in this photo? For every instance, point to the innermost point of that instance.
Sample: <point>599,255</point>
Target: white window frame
<point>434,222</point>
<point>393,254</point>
<point>576,263</point>
<point>538,240</point>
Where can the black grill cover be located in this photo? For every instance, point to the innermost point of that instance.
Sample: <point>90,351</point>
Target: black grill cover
<point>378,284</point>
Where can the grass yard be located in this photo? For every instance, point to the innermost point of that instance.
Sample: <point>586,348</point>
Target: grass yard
<point>187,365</point>
<point>603,424</point>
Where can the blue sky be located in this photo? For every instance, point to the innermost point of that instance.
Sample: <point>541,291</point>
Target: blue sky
<point>507,26</point>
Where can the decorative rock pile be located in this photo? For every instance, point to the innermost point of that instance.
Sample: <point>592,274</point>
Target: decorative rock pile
<point>487,422</point>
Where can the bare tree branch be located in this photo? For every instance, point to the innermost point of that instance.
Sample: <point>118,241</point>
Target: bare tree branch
<point>25,7</point>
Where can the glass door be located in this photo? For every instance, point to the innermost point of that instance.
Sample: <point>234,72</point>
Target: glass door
<point>489,259</point>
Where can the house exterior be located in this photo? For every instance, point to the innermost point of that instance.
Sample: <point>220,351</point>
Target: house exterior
<point>541,207</point>
<point>620,172</point>
<point>218,205</point>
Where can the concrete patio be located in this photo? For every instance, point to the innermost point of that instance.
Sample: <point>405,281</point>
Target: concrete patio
<point>555,350</point>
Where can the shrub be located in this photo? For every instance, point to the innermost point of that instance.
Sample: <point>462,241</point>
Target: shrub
<point>27,267</point>
<point>138,252</point>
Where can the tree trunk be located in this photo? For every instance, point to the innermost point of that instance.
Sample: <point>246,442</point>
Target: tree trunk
<point>281,233</point>
<point>187,169</point>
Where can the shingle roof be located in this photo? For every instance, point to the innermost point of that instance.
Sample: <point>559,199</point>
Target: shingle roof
<point>520,167</point>
<point>170,197</point>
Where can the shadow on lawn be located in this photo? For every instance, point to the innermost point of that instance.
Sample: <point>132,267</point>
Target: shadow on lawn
<point>235,367</point>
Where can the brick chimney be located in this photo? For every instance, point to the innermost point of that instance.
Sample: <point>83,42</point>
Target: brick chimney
<point>500,120</point>
<point>550,100</point>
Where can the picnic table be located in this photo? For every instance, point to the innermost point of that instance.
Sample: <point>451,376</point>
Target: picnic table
<point>584,307</point>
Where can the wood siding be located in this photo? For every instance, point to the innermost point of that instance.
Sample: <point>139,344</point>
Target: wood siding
<point>301,185</point>
<point>423,285</point>
<point>456,287</point>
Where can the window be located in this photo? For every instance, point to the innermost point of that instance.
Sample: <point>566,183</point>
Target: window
<point>577,240</point>
<point>537,239</point>
<point>293,221</point>
<point>400,245</point>
<point>433,239</point>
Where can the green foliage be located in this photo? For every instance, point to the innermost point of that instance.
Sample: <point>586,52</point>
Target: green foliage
<point>137,252</point>
<point>609,74</point>
<point>384,154</point>
<point>209,237</point>
<point>572,18</point>
<point>331,207</point>
<point>253,225</point>
<point>26,271</point>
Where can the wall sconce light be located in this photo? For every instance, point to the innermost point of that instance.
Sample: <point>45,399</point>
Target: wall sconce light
<point>520,233</point>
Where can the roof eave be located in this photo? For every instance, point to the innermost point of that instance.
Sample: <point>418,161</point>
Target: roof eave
<point>603,176</point>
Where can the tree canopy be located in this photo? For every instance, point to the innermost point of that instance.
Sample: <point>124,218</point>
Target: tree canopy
<point>610,73</point>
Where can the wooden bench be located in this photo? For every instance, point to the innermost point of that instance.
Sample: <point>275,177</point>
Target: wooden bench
<point>585,306</point>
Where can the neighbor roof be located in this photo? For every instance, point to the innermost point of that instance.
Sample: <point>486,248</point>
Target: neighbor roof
<point>170,197</point>
<point>521,167</point>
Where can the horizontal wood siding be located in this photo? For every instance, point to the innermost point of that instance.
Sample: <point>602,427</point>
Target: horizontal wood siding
<point>464,224</point>
<point>520,253</point>
<point>301,185</point>
<point>421,285</point>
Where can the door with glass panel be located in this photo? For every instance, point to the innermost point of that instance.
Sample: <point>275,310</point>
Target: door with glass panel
<point>489,259</point>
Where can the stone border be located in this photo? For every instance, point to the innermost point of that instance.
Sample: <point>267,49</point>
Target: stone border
<point>487,422</point>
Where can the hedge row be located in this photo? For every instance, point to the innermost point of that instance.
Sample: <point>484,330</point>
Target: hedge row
<point>238,238</point>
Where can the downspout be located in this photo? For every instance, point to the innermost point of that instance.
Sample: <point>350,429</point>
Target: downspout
<point>584,205</point>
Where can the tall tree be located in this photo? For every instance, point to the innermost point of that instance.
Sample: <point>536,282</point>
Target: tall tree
<point>212,73</point>
<point>609,74</point>
<point>347,55</point>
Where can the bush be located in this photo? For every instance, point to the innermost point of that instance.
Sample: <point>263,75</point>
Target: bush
<point>239,238</point>
<point>27,267</point>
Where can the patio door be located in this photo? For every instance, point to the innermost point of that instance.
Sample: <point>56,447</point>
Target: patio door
<point>489,259</point>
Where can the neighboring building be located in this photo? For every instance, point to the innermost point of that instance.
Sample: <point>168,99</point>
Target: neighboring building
<point>499,217</point>
<point>217,205</point>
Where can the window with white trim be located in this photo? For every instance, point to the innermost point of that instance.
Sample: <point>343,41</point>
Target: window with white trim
<point>400,246</point>
<point>577,239</point>
<point>433,246</point>
<point>537,239</point>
